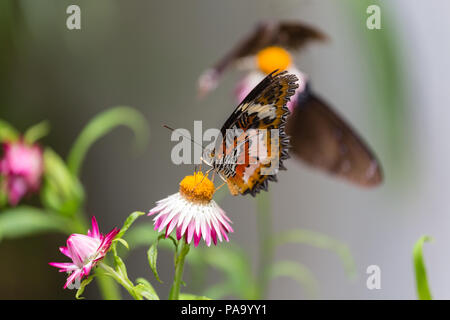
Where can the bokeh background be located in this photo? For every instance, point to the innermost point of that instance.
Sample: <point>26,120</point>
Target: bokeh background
<point>391,84</point>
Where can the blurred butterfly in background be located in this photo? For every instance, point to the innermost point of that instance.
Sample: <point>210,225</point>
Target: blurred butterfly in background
<point>318,135</point>
<point>247,159</point>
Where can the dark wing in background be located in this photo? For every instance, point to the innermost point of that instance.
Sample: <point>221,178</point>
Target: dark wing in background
<point>289,35</point>
<point>321,138</point>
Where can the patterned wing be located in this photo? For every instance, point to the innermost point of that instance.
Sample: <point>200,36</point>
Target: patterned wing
<point>254,142</point>
<point>289,35</point>
<point>321,138</point>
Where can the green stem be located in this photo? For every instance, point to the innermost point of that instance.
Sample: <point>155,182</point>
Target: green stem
<point>264,222</point>
<point>179,266</point>
<point>108,287</point>
<point>124,282</point>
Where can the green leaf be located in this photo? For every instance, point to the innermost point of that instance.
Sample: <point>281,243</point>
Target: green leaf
<point>188,296</point>
<point>142,235</point>
<point>123,242</point>
<point>128,222</point>
<point>174,242</point>
<point>120,277</point>
<point>7,132</point>
<point>108,287</point>
<point>36,132</point>
<point>61,191</point>
<point>83,285</point>
<point>102,124</point>
<point>3,196</point>
<point>423,290</point>
<point>25,221</point>
<point>152,255</point>
<point>321,241</point>
<point>219,291</point>
<point>145,289</point>
<point>297,272</point>
<point>236,266</point>
<point>120,266</point>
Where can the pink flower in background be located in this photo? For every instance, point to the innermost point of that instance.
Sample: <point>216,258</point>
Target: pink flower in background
<point>266,61</point>
<point>85,251</point>
<point>192,213</point>
<point>21,167</point>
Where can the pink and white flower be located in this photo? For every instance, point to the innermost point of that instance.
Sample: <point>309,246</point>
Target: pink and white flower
<point>85,251</point>
<point>192,213</point>
<point>21,167</point>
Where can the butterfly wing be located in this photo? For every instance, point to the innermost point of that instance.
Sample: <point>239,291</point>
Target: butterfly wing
<point>290,35</point>
<point>254,142</point>
<point>321,138</point>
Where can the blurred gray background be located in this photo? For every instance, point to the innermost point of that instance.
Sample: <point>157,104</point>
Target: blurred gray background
<point>148,54</point>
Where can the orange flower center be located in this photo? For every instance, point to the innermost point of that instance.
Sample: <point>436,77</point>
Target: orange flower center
<point>197,188</point>
<point>272,58</point>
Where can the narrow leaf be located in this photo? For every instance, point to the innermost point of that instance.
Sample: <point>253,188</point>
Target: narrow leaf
<point>83,285</point>
<point>298,273</point>
<point>120,266</point>
<point>152,255</point>
<point>219,291</point>
<point>145,289</point>
<point>36,132</point>
<point>61,190</point>
<point>236,266</point>
<point>123,242</point>
<point>423,290</point>
<point>188,296</point>
<point>102,124</point>
<point>319,240</point>
<point>127,224</point>
<point>7,132</point>
<point>109,288</point>
<point>141,235</point>
<point>25,221</point>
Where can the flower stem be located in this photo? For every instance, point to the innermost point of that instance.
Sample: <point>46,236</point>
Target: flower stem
<point>265,248</point>
<point>124,282</point>
<point>179,266</point>
<point>108,288</point>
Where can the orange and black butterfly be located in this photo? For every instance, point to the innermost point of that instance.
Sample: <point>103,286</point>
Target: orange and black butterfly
<point>319,136</point>
<point>253,141</point>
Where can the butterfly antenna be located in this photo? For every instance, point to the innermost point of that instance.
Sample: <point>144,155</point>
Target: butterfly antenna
<point>192,140</point>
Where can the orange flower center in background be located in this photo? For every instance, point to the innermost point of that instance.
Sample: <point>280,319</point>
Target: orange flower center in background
<point>272,58</point>
<point>197,188</point>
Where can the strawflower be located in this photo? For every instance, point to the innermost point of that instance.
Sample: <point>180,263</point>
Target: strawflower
<point>85,251</point>
<point>192,212</point>
<point>21,167</point>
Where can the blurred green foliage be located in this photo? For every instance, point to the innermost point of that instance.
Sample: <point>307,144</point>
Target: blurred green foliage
<point>423,289</point>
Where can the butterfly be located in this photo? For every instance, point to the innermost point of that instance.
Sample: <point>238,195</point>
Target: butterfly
<point>319,136</point>
<point>253,140</point>
<point>290,35</point>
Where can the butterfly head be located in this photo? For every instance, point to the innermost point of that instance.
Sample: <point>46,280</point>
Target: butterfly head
<point>209,156</point>
<point>273,58</point>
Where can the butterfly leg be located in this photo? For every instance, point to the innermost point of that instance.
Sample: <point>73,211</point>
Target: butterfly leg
<point>224,183</point>
<point>206,162</point>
